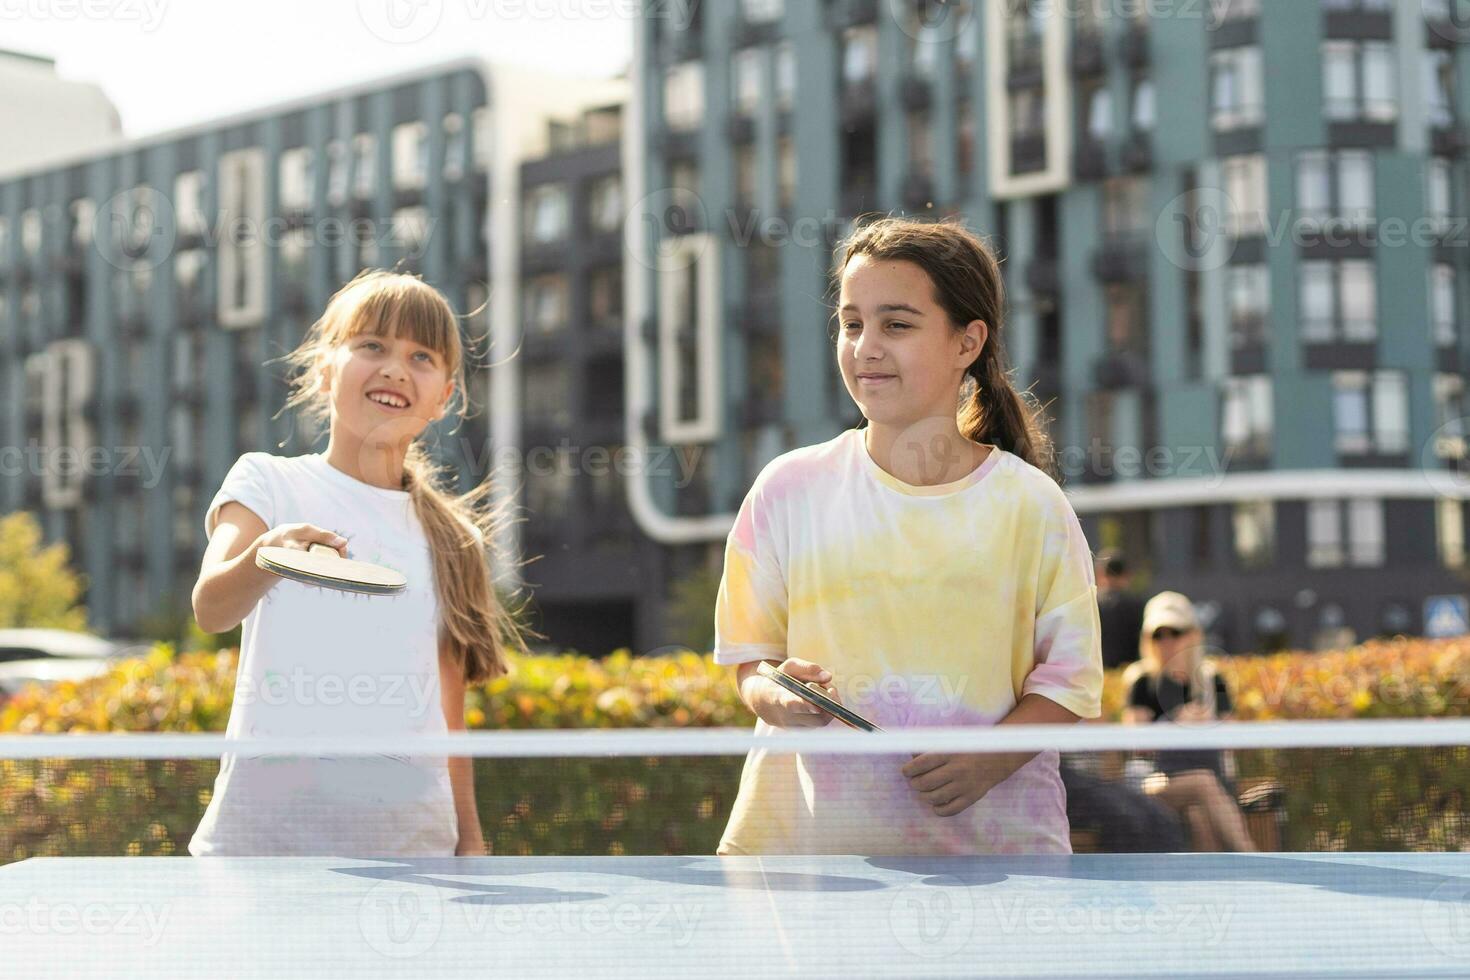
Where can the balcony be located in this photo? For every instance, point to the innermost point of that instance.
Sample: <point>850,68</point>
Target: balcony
<point>916,91</point>
<point>740,128</point>
<point>1043,277</point>
<point>1138,153</point>
<point>1120,369</point>
<point>1134,48</point>
<point>1028,153</point>
<point>859,101</point>
<point>1448,141</point>
<point>1087,54</point>
<point>918,192</point>
<point>1357,25</point>
<point>843,14</point>
<point>1120,260</point>
<point>1090,160</point>
<point>749,33</point>
<point>680,143</point>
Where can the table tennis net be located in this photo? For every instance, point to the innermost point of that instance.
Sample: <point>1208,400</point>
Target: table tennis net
<point>1316,787</point>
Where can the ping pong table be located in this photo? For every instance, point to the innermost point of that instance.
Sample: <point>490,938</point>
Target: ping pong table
<point>1327,915</point>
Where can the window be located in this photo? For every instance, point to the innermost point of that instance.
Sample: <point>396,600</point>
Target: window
<point>1144,108</point>
<point>546,214</point>
<point>688,339</point>
<point>761,11</point>
<point>295,178</point>
<point>605,297</point>
<point>1439,87</point>
<point>1255,533</point>
<point>83,222</point>
<point>1449,525</point>
<point>921,143</point>
<point>1442,317</point>
<point>785,172</point>
<point>241,253</point>
<point>187,268</point>
<point>1244,178</point>
<point>482,136</point>
<point>785,76</point>
<point>1246,423</point>
<point>411,229</point>
<point>1237,100</point>
<point>364,164</point>
<point>1358,81</point>
<point>1324,534</point>
<point>746,181</point>
<point>454,146</point>
<point>1099,105</point>
<point>1222,11</point>
<point>410,155</point>
<point>1339,301</point>
<point>605,204</point>
<point>1027,113</point>
<point>30,229</point>
<point>1365,532</point>
<point>859,54</point>
<point>548,393</point>
<point>1438,206</point>
<point>1370,412</point>
<point>337,173</point>
<point>1125,318</point>
<point>684,96</point>
<point>1335,186</point>
<point>1248,295</point>
<point>546,304</point>
<point>1125,207</point>
<point>1449,416</point>
<point>746,66</point>
<point>189,216</point>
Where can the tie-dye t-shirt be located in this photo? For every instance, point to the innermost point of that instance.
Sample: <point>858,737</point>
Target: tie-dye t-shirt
<point>939,605</point>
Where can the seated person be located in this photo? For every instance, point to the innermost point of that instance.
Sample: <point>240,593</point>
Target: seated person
<point>1178,684</point>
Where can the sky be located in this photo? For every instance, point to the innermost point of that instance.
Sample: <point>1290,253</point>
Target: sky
<point>172,63</point>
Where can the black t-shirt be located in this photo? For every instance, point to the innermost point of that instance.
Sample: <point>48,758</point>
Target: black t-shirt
<point>1162,699</point>
<point>1120,615</point>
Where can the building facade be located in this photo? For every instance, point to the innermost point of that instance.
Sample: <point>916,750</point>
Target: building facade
<point>1233,237</point>
<point>147,289</point>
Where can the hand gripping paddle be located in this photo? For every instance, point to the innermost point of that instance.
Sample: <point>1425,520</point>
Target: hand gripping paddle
<point>322,566</point>
<point>812,693</point>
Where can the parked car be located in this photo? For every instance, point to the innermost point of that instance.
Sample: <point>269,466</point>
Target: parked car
<point>45,656</point>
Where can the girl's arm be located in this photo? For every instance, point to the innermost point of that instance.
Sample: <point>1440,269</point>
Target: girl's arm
<point>461,770</point>
<point>952,782</point>
<point>229,584</point>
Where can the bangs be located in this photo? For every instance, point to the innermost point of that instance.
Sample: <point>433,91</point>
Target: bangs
<point>401,307</point>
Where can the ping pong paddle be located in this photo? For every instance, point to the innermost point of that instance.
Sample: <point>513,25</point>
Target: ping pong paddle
<point>813,693</point>
<point>322,566</point>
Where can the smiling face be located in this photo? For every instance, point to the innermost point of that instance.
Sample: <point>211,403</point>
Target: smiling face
<point>385,389</point>
<point>900,355</point>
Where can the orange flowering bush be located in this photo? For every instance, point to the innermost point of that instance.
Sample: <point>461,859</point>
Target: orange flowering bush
<point>1381,799</point>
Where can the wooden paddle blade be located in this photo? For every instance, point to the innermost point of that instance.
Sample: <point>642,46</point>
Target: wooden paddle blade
<point>323,566</point>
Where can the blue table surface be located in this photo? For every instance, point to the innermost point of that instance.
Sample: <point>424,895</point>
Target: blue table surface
<point>1338,915</point>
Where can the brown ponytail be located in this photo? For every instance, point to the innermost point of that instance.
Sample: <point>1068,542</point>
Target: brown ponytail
<point>968,286</point>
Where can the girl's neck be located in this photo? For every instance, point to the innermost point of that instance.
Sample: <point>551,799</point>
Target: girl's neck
<point>379,465</point>
<point>923,455</point>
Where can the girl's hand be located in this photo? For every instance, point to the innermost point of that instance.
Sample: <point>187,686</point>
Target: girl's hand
<point>1193,711</point>
<point>951,783</point>
<point>301,537</point>
<point>474,847</point>
<point>779,707</point>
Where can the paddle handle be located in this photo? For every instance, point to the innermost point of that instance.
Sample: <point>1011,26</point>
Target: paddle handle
<point>317,548</point>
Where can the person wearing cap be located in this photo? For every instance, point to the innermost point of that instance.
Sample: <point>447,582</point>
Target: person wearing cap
<point>1177,683</point>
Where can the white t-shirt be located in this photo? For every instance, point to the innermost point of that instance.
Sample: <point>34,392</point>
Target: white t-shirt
<point>321,662</point>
